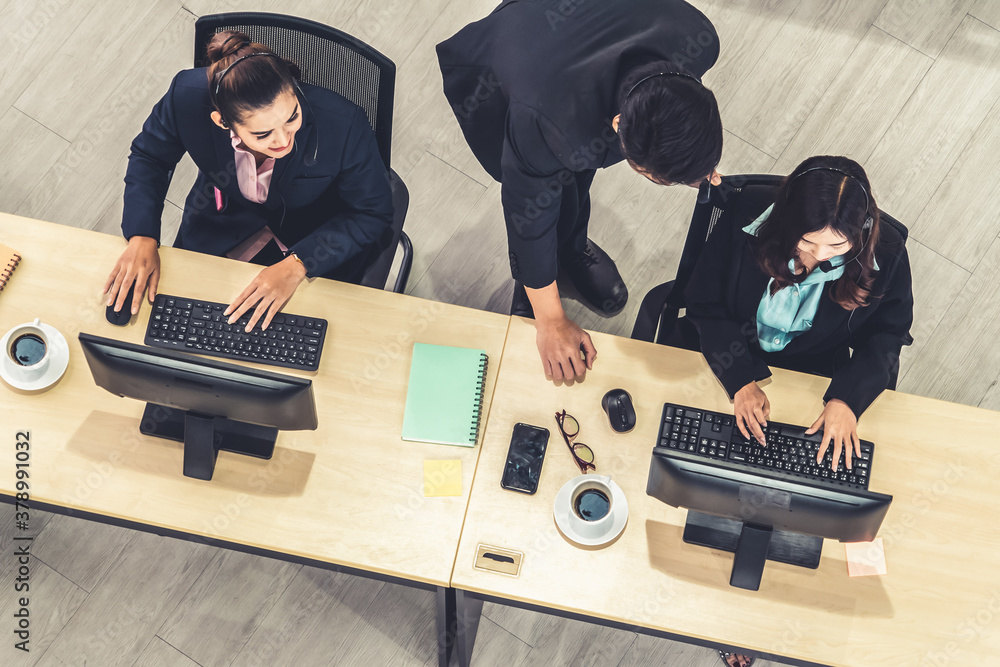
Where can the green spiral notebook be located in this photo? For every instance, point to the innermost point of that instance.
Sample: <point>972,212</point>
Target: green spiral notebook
<point>444,397</point>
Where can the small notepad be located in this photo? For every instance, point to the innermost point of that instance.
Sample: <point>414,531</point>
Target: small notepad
<point>444,396</point>
<point>442,478</point>
<point>865,559</point>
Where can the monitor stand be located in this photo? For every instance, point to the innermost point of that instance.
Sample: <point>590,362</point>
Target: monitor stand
<point>752,545</point>
<point>203,436</point>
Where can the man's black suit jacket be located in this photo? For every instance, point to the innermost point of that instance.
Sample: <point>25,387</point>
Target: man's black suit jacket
<point>726,288</point>
<point>331,214</point>
<point>534,87</point>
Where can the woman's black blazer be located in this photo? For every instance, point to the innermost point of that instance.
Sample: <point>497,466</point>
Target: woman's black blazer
<point>725,291</point>
<point>329,211</point>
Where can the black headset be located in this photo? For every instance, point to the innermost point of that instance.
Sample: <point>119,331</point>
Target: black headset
<point>869,223</point>
<point>656,74</point>
<point>311,156</point>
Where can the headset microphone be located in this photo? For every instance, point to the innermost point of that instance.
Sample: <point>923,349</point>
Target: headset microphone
<point>310,158</point>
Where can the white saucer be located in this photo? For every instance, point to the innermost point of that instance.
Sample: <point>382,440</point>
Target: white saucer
<point>562,510</point>
<point>55,369</point>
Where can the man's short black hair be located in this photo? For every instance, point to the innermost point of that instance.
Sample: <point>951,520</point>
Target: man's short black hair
<point>670,126</point>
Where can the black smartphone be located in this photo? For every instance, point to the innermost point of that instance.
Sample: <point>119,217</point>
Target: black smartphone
<point>524,458</point>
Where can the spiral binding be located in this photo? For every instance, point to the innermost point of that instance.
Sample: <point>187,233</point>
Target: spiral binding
<point>9,269</point>
<point>478,407</point>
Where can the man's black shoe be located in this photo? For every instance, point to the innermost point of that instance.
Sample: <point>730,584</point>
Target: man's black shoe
<point>520,305</point>
<point>596,277</point>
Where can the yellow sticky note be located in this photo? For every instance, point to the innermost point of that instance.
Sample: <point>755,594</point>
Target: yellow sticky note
<point>442,478</point>
<point>865,558</point>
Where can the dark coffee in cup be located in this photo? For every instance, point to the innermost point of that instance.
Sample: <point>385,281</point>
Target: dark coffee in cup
<point>28,349</point>
<point>591,505</point>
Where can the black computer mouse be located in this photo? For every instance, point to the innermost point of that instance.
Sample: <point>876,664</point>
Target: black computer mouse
<point>618,404</point>
<point>122,317</point>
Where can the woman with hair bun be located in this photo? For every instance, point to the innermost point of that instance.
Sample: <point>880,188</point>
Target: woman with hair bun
<point>289,176</point>
<point>806,278</point>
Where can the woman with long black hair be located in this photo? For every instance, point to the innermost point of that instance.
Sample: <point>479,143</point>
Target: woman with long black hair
<point>810,279</point>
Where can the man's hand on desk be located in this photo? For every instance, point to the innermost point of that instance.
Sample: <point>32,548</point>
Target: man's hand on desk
<point>751,407</point>
<point>269,291</point>
<point>560,340</point>
<point>560,344</point>
<point>139,264</point>
<point>840,427</point>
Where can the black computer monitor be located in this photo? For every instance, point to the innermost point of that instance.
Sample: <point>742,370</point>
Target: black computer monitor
<point>759,517</point>
<point>208,405</point>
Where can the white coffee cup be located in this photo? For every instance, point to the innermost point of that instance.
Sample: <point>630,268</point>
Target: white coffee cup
<point>28,351</point>
<point>591,506</point>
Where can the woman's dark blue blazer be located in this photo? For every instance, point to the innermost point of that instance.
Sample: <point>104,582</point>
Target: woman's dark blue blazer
<point>334,211</point>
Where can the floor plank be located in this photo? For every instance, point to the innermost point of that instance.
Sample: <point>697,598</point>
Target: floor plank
<point>653,652</point>
<point>926,25</point>
<point>746,29</point>
<point>397,629</point>
<point>52,601</point>
<point>965,195</point>
<point>936,284</point>
<point>492,640</point>
<point>31,152</point>
<point>117,620</point>
<point>159,653</point>
<point>560,641</point>
<point>88,175</point>
<point>861,103</point>
<point>961,360</point>
<point>441,199</point>
<point>225,605</point>
<point>309,624</point>
<point>478,249</point>
<point>987,11</point>
<point>421,109</point>
<point>798,67</point>
<point>31,29</point>
<point>82,551</point>
<point>103,49</point>
<point>937,122</point>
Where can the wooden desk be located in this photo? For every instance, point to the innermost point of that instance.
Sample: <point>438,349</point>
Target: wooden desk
<point>938,605</point>
<point>349,494</point>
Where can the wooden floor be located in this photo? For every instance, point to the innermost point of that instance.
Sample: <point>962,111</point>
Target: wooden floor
<point>909,88</point>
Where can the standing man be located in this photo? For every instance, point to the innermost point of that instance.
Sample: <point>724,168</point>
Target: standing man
<point>547,92</point>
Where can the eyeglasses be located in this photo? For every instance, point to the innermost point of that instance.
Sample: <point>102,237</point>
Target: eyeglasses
<point>582,454</point>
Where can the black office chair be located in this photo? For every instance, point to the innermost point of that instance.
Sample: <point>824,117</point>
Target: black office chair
<point>659,318</point>
<point>336,61</point>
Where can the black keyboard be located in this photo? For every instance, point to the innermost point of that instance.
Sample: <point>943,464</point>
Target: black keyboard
<point>195,325</point>
<point>789,451</point>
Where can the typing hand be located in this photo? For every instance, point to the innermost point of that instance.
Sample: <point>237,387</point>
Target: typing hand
<point>751,407</point>
<point>140,263</point>
<point>560,343</point>
<point>268,292</point>
<point>840,427</point>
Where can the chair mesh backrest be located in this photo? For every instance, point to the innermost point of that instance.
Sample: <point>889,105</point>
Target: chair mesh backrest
<point>326,56</point>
